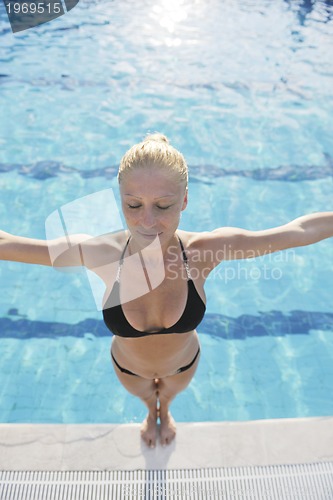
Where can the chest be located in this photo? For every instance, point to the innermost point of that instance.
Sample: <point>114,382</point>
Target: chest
<point>159,308</point>
<point>151,301</point>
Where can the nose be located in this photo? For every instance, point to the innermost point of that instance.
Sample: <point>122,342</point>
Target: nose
<point>148,219</point>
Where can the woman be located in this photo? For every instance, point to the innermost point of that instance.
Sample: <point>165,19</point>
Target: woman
<point>155,349</point>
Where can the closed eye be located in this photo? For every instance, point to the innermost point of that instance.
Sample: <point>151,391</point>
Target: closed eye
<point>138,206</point>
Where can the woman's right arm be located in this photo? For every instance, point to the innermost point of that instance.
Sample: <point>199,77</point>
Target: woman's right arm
<point>59,252</point>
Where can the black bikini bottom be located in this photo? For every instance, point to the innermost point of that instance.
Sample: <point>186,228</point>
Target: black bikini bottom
<point>182,369</point>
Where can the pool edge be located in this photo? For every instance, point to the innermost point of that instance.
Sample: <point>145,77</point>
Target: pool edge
<point>199,444</point>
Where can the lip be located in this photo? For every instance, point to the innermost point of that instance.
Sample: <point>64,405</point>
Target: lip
<point>149,235</point>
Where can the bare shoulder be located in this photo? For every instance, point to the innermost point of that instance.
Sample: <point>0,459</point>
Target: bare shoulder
<point>103,250</point>
<point>197,245</point>
<point>201,240</point>
<point>229,243</point>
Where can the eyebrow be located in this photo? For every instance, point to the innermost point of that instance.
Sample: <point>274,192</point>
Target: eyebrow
<point>158,198</point>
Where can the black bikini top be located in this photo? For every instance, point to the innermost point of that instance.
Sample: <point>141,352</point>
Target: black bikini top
<point>116,321</point>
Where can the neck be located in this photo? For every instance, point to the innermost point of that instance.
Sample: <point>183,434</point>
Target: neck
<point>155,250</point>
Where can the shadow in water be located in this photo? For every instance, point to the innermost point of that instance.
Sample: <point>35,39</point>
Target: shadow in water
<point>43,170</point>
<point>303,8</point>
<point>271,323</point>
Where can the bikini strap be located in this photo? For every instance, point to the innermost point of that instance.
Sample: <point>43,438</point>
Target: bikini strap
<point>185,259</point>
<point>121,261</point>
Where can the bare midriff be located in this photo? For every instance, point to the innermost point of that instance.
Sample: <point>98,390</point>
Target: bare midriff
<point>155,356</point>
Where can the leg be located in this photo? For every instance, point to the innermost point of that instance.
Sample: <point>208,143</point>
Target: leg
<point>146,390</point>
<point>168,388</point>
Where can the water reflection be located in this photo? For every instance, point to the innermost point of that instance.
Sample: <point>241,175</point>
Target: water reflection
<point>304,8</point>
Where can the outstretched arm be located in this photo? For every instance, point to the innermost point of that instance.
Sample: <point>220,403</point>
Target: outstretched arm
<point>34,251</point>
<point>227,243</point>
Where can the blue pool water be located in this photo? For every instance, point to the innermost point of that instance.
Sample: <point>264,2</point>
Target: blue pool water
<point>243,89</point>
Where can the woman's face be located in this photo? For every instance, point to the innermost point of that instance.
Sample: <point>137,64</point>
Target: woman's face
<point>152,201</point>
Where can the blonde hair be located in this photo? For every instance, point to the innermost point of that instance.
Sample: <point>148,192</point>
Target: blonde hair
<point>154,151</point>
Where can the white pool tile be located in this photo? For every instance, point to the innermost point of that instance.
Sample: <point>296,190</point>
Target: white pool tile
<point>210,444</point>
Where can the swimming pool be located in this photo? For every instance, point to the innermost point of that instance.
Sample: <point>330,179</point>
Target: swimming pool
<point>243,89</point>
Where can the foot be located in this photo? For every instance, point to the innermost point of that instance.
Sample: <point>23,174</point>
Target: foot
<point>167,428</point>
<point>148,430</point>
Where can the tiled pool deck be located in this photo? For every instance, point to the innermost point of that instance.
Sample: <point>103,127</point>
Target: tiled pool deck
<point>197,445</point>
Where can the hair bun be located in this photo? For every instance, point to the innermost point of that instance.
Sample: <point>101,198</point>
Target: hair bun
<point>155,152</point>
<point>156,137</point>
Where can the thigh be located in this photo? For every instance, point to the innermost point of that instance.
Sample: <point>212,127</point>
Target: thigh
<point>171,385</point>
<point>136,385</point>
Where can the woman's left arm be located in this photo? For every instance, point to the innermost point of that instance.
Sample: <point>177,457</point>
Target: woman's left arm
<point>228,243</point>
<point>316,226</point>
